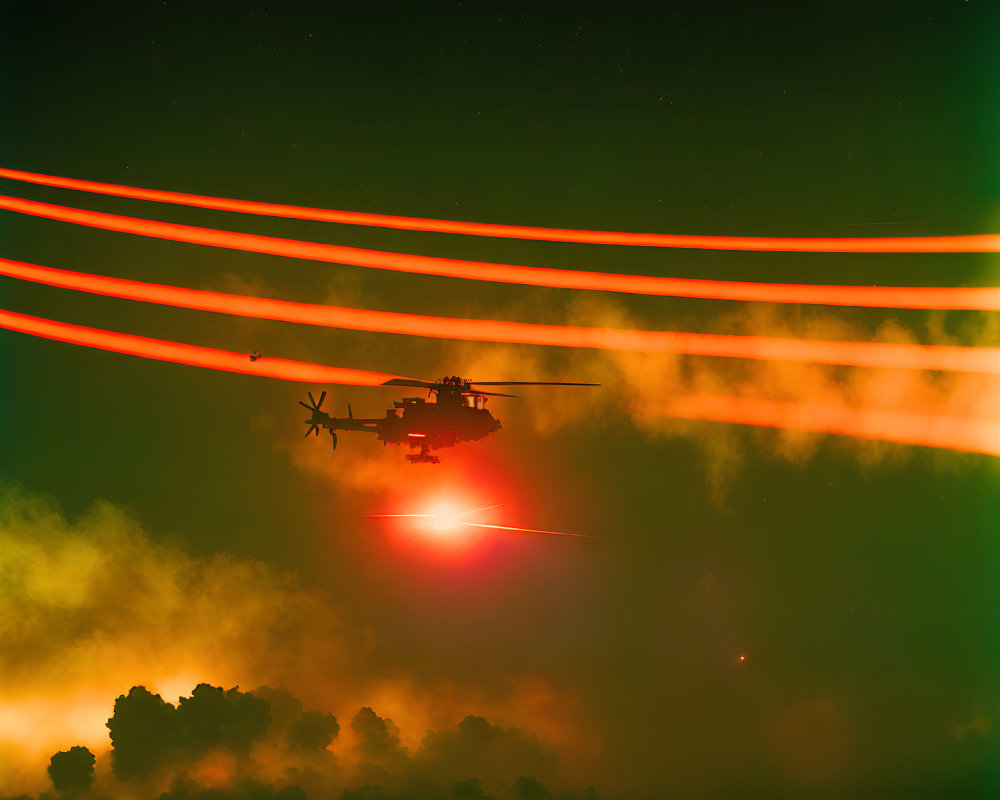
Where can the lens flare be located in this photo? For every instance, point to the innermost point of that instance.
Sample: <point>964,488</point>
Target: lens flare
<point>858,354</point>
<point>445,518</point>
<point>189,354</point>
<point>988,243</point>
<point>929,297</point>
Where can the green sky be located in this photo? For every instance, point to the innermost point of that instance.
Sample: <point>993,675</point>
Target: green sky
<point>861,581</point>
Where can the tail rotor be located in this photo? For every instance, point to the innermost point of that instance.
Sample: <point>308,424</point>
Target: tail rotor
<point>318,417</point>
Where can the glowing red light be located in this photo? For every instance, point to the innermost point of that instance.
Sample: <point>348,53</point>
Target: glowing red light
<point>972,298</point>
<point>929,430</point>
<point>883,244</point>
<point>445,518</point>
<point>190,354</point>
<point>850,353</point>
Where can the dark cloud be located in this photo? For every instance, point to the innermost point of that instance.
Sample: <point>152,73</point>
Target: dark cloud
<point>215,719</point>
<point>370,793</point>
<point>284,706</point>
<point>245,790</point>
<point>72,770</point>
<point>377,738</point>
<point>148,733</point>
<point>469,789</point>
<point>490,752</point>
<point>524,788</point>
<point>143,733</point>
<point>312,730</point>
<point>530,788</point>
<point>218,744</point>
<point>381,758</point>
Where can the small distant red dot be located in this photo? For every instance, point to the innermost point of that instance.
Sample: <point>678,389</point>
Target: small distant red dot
<point>743,658</point>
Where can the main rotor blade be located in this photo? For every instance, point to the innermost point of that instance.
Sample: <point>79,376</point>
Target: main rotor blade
<point>311,429</point>
<point>409,382</point>
<point>529,383</point>
<point>489,394</point>
<point>322,397</point>
<point>306,405</point>
<point>312,399</point>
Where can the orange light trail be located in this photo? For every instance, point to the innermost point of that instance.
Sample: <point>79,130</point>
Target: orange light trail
<point>189,354</point>
<point>859,354</point>
<point>925,430</point>
<point>986,243</point>
<point>984,298</point>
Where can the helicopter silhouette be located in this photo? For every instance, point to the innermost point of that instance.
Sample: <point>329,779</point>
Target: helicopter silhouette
<point>457,414</point>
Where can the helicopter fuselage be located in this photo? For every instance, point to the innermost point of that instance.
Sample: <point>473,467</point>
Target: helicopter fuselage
<point>458,414</point>
<point>420,424</point>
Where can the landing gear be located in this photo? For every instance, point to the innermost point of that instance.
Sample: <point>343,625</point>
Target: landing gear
<point>423,457</point>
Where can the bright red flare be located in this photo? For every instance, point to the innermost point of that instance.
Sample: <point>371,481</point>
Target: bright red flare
<point>988,243</point>
<point>192,355</point>
<point>951,298</point>
<point>858,354</point>
<point>925,430</point>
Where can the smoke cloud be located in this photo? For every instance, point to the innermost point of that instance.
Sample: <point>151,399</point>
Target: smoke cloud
<point>225,745</point>
<point>637,388</point>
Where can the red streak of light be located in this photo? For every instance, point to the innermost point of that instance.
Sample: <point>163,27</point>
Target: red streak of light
<point>484,508</point>
<point>926,430</point>
<point>192,355</point>
<point>951,298</point>
<point>483,524</point>
<point>858,354</point>
<point>527,530</point>
<point>988,243</point>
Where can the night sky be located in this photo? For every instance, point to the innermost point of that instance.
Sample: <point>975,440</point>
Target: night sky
<point>764,614</point>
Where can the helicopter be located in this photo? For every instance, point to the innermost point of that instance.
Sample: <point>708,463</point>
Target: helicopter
<point>456,414</point>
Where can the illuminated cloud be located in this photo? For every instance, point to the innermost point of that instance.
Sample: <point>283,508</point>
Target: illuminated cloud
<point>205,754</point>
<point>640,387</point>
<point>92,609</point>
